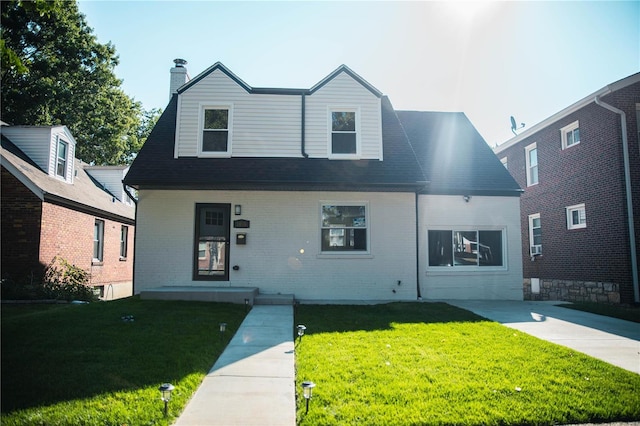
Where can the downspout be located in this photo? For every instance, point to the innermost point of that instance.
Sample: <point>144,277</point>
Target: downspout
<point>135,238</point>
<point>627,181</point>
<point>417,249</point>
<point>302,124</point>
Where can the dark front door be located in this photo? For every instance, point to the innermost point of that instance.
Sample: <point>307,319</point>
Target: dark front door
<point>211,252</point>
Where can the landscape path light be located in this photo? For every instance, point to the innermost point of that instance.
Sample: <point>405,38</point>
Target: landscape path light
<point>165,390</point>
<point>223,328</point>
<point>307,392</point>
<point>301,329</point>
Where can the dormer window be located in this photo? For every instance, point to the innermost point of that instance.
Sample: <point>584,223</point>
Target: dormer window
<point>61,158</point>
<point>344,132</point>
<point>216,131</point>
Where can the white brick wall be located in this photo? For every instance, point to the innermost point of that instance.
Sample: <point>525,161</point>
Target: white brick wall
<point>282,254</point>
<point>485,213</point>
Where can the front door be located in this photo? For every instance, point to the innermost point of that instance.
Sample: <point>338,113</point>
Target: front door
<point>211,252</point>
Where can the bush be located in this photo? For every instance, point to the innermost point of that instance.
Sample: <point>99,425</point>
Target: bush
<point>64,281</point>
<point>29,288</point>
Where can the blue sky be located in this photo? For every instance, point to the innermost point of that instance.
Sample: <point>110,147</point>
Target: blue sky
<point>489,60</point>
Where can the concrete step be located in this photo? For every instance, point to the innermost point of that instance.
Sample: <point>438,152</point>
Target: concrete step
<point>274,299</point>
<point>202,294</point>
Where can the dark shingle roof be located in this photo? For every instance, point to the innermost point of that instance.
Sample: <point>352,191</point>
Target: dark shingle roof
<point>84,194</point>
<point>454,157</point>
<point>156,167</point>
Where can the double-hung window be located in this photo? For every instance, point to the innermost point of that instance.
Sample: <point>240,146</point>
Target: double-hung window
<point>61,158</point>
<point>124,236</point>
<point>344,132</point>
<point>344,228</point>
<point>531,153</point>
<point>216,131</point>
<point>570,135</point>
<point>464,248</point>
<point>535,234</point>
<point>576,217</point>
<point>98,240</point>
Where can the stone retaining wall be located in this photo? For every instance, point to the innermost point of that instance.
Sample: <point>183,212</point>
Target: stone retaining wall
<point>573,291</point>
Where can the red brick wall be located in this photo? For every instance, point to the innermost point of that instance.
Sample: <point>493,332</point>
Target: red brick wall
<point>20,227</point>
<point>591,173</point>
<point>69,234</point>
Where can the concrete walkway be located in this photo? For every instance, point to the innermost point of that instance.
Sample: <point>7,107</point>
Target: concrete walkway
<point>612,340</point>
<point>252,383</point>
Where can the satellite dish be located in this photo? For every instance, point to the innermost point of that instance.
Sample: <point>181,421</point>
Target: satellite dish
<point>514,126</point>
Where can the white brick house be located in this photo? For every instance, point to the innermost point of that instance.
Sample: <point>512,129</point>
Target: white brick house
<point>325,193</point>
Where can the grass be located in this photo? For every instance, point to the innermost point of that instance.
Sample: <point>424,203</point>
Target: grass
<point>628,313</point>
<point>434,364</point>
<point>84,365</point>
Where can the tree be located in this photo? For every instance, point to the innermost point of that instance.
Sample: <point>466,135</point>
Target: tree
<point>54,71</point>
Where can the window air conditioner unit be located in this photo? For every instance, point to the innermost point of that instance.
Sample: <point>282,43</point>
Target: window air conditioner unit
<point>536,250</point>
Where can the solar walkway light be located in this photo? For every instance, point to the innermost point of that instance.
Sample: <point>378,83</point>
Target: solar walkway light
<point>301,329</point>
<point>307,389</point>
<point>165,390</point>
<point>223,328</point>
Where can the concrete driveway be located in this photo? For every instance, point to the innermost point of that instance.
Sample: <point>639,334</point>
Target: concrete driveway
<point>612,340</point>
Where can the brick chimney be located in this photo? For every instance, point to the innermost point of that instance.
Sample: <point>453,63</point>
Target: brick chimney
<point>179,76</point>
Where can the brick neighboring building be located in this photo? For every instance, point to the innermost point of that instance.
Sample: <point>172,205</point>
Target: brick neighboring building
<point>55,205</point>
<point>582,187</point>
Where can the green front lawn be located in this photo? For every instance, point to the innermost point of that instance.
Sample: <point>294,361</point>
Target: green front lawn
<point>628,313</point>
<point>433,364</point>
<point>84,365</point>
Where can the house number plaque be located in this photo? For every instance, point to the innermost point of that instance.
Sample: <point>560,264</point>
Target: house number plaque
<point>241,223</point>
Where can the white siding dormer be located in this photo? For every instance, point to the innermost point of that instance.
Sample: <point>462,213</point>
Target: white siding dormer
<point>52,148</point>
<point>110,178</point>
<point>344,93</point>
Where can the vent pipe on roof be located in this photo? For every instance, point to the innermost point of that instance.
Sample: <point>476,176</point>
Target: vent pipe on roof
<point>179,76</point>
<point>627,181</point>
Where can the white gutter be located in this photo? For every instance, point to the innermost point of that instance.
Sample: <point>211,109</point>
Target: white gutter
<point>627,181</point>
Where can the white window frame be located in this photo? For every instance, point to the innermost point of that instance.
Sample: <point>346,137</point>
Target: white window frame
<point>569,129</point>
<point>582,216</point>
<point>345,253</point>
<point>124,241</point>
<point>470,268</point>
<point>343,108</point>
<point>534,249</point>
<point>59,158</point>
<point>98,240</point>
<point>215,154</point>
<point>529,167</point>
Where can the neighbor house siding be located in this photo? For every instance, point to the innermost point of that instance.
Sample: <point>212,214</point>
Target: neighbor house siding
<point>451,212</point>
<point>30,140</point>
<point>262,125</point>
<point>282,254</point>
<point>343,91</point>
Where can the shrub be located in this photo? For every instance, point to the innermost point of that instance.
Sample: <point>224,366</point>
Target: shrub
<point>65,281</point>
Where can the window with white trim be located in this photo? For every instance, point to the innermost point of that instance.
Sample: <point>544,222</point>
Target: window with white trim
<point>535,234</point>
<point>215,138</point>
<point>344,228</point>
<point>124,237</point>
<point>61,158</point>
<point>343,137</point>
<point>98,240</point>
<point>576,217</point>
<point>465,248</point>
<point>531,153</point>
<point>570,135</point>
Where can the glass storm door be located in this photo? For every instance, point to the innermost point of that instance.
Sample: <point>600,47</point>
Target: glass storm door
<point>211,257</point>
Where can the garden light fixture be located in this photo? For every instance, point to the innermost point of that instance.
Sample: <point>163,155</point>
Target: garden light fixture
<point>165,390</point>
<point>307,389</point>
<point>223,328</point>
<point>301,329</point>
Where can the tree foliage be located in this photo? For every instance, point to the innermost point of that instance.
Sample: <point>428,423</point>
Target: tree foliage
<point>54,71</point>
